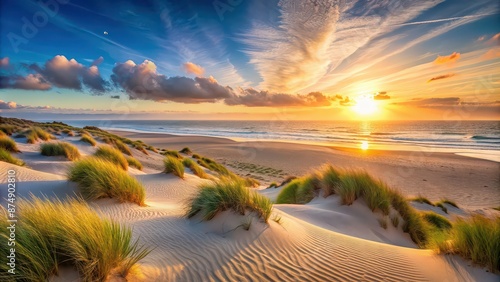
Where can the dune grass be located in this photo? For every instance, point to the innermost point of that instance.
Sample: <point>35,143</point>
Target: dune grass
<point>172,153</point>
<point>273,185</point>
<point>194,167</point>
<point>186,151</point>
<point>88,139</point>
<point>436,220</point>
<point>448,202</point>
<point>60,149</point>
<point>5,156</point>
<point>133,162</point>
<point>395,220</point>
<point>8,129</point>
<point>112,155</point>
<point>8,144</point>
<point>152,149</point>
<point>173,165</point>
<point>228,194</point>
<point>99,178</point>
<point>140,147</point>
<point>49,233</point>
<point>422,200</point>
<point>477,238</point>
<point>122,147</point>
<point>351,185</point>
<point>442,206</point>
<point>383,222</point>
<point>36,133</point>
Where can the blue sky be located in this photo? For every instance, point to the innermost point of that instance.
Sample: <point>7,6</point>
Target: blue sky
<point>230,56</point>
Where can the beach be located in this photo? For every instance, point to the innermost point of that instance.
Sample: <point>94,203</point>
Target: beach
<point>321,239</point>
<point>472,182</point>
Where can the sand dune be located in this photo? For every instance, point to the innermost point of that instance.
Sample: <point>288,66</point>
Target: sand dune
<point>320,241</point>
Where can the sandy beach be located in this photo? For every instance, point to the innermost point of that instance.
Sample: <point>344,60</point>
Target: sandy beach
<point>323,240</point>
<point>472,182</point>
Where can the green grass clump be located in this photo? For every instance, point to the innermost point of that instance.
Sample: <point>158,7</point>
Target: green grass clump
<point>88,139</point>
<point>442,206</point>
<point>140,147</point>
<point>60,149</point>
<point>36,133</point>
<point>250,182</point>
<point>8,129</point>
<point>448,202</point>
<point>194,167</point>
<point>228,194</point>
<point>98,178</point>
<point>174,165</point>
<point>5,156</point>
<point>173,154</point>
<point>330,180</point>
<point>196,156</point>
<point>186,151</point>
<point>288,194</point>
<point>50,233</point>
<point>122,147</point>
<point>477,239</point>
<point>112,155</point>
<point>8,144</point>
<point>152,149</point>
<point>134,162</point>
<point>436,220</point>
<point>422,200</point>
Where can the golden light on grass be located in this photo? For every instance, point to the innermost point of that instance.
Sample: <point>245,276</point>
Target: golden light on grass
<point>364,145</point>
<point>365,105</point>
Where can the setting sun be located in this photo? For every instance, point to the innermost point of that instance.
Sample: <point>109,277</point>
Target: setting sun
<point>365,105</point>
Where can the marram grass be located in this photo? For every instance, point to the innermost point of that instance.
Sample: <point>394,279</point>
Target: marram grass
<point>173,165</point>
<point>60,149</point>
<point>8,144</point>
<point>88,139</point>
<point>5,156</point>
<point>194,167</point>
<point>52,232</point>
<point>133,162</point>
<point>112,155</point>
<point>228,194</point>
<point>98,178</point>
<point>36,133</point>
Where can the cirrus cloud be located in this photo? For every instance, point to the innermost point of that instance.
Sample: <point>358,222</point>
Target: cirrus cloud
<point>453,57</point>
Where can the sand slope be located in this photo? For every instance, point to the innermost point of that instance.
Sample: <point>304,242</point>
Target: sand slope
<point>321,241</point>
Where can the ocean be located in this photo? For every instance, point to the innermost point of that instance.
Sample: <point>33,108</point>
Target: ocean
<point>448,136</point>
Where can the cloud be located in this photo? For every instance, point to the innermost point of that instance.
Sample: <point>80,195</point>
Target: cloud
<point>7,105</point>
<point>347,102</point>
<point>114,96</point>
<point>69,74</point>
<point>495,38</point>
<point>193,69</point>
<point>491,54</point>
<point>254,98</point>
<point>447,59</point>
<point>441,77</point>
<point>423,102</point>
<point>97,61</point>
<point>381,96</point>
<point>481,38</point>
<point>29,82</point>
<point>143,82</point>
<point>4,62</point>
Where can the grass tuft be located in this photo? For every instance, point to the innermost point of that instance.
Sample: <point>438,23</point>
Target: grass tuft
<point>395,220</point>
<point>134,162</point>
<point>112,155</point>
<point>186,151</point>
<point>448,202</point>
<point>53,232</point>
<point>476,238</point>
<point>8,144</point>
<point>60,149</point>
<point>273,185</point>
<point>422,200</point>
<point>8,129</point>
<point>172,153</point>
<point>36,133</point>
<point>88,139</point>
<point>194,167</point>
<point>98,178</point>
<point>174,165</point>
<point>5,156</point>
<point>228,194</point>
<point>436,220</point>
<point>121,146</point>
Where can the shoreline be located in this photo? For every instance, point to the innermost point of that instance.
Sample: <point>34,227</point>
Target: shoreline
<point>472,182</point>
<point>484,154</point>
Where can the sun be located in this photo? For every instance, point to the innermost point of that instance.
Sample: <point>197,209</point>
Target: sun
<point>365,105</point>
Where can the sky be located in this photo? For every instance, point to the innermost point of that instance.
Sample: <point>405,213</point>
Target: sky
<point>240,59</point>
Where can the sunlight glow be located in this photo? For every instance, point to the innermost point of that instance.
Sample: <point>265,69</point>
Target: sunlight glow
<point>364,145</point>
<point>365,105</point>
